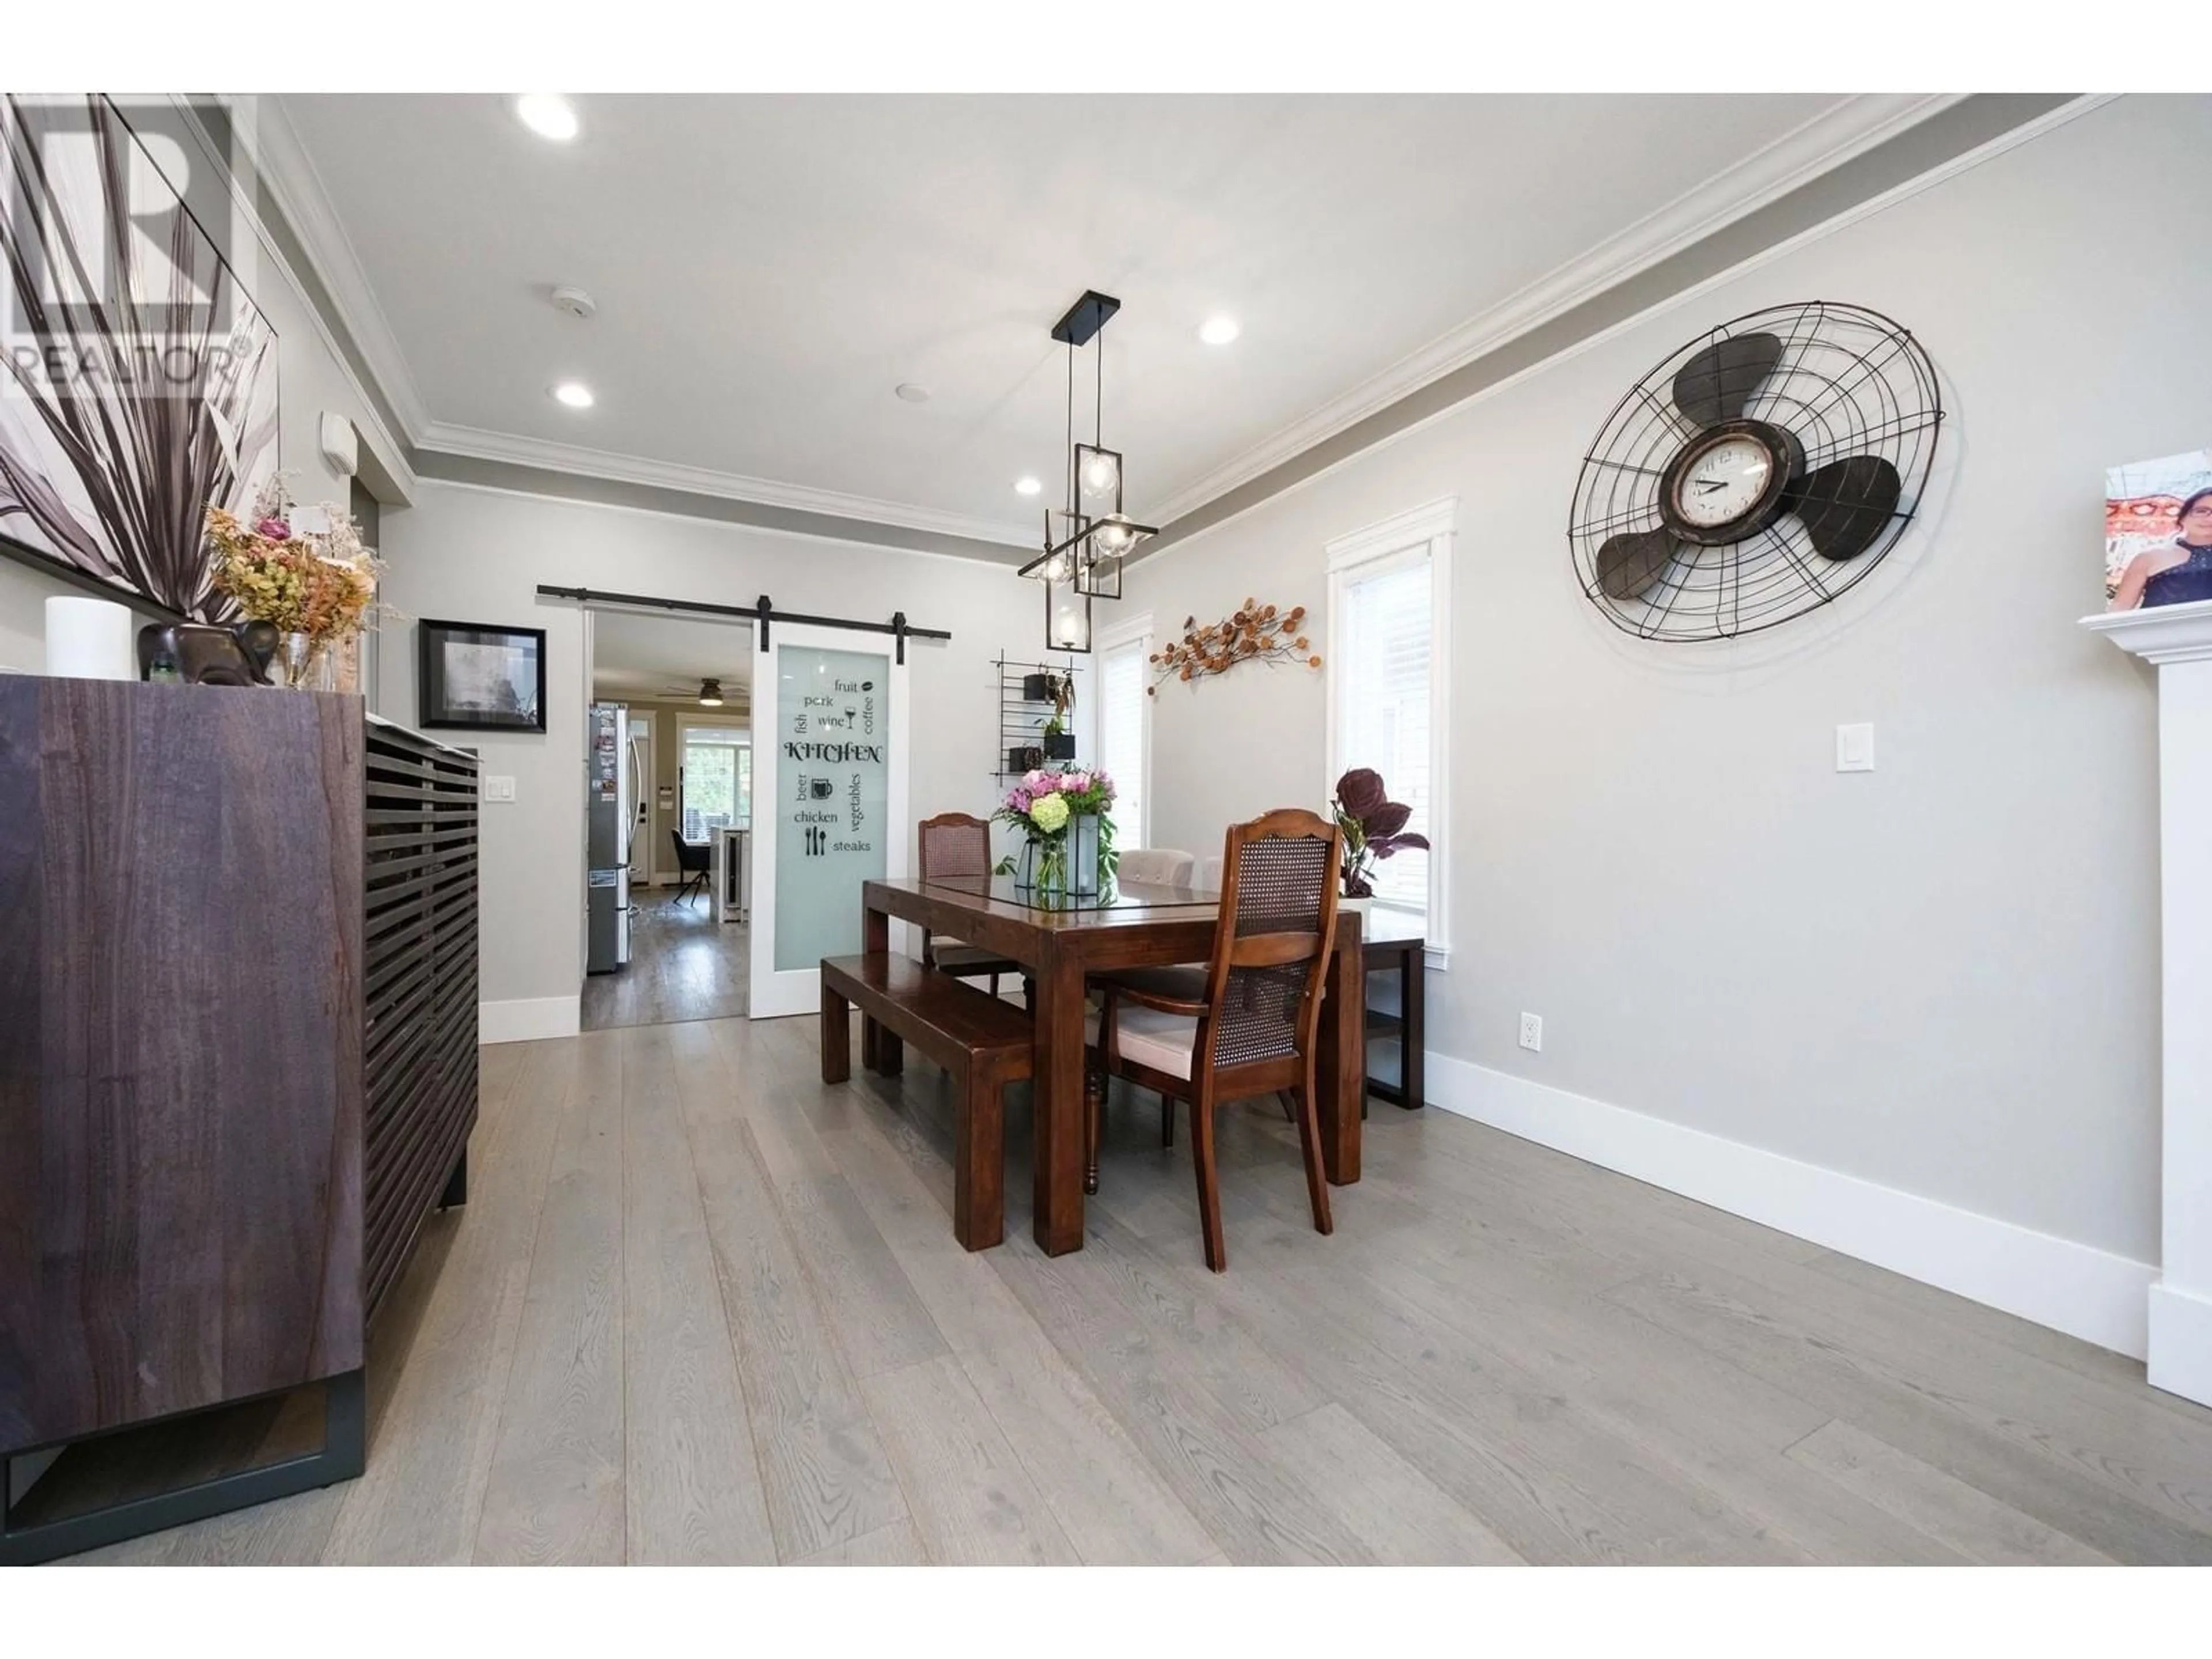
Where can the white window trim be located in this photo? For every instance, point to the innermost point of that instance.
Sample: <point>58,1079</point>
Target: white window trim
<point>1137,630</point>
<point>1426,531</point>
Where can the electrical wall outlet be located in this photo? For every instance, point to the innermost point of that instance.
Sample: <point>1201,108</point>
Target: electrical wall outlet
<point>1532,1032</point>
<point>498,788</point>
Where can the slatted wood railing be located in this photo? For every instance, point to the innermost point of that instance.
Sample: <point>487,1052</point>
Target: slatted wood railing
<point>419,1051</point>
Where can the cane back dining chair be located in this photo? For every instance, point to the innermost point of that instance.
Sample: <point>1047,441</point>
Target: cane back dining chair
<point>1256,1030</point>
<point>954,844</point>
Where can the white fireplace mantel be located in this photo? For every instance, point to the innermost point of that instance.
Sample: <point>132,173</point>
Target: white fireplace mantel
<point>2178,639</point>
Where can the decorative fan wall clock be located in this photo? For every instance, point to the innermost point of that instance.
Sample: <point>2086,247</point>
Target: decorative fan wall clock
<point>1759,471</point>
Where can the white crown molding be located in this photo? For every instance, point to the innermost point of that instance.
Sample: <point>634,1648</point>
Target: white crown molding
<point>1850,127</point>
<point>474,443</point>
<point>299,192</point>
<point>825,538</point>
<point>246,113</point>
<point>290,174</point>
<point>1151,556</point>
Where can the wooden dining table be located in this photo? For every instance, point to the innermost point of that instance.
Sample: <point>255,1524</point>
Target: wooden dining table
<point>1134,925</point>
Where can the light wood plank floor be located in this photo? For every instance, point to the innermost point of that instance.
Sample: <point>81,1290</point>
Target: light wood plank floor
<point>683,965</point>
<point>700,1308</point>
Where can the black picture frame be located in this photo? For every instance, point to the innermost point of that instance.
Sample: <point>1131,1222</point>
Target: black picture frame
<point>477,710</point>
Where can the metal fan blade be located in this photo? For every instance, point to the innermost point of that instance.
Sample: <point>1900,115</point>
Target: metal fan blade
<point>1846,504</point>
<point>1628,565</point>
<point>1717,384</point>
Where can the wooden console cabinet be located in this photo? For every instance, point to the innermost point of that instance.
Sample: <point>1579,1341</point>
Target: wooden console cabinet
<point>237,1068</point>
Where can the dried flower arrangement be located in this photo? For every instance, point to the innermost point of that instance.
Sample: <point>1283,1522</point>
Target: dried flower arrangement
<point>319,583</point>
<point>1256,632</point>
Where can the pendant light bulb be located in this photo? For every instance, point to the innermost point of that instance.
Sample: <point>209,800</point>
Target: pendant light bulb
<point>1100,474</point>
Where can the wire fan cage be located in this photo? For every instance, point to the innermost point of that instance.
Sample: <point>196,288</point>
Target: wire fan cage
<point>1848,401</point>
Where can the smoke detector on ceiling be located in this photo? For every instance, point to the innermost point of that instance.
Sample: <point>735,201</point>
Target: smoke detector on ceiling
<point>574,301</point>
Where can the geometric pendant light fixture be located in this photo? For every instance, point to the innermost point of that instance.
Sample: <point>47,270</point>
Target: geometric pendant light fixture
<point>1085,542</point>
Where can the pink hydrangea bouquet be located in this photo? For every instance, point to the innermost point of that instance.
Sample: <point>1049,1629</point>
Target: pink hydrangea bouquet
<point>1058,812</point>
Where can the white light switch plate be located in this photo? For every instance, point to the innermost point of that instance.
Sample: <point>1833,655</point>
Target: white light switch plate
<point>1855,749</point>
<point>498,788</point>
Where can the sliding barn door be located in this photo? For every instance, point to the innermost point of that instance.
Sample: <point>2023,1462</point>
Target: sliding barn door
<point>830,801</point>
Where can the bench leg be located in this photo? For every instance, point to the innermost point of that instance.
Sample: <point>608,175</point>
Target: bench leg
<point>979,1162</point>
<point>891,1052</point>
<point>836,1037</point>
<point>871,1042</point>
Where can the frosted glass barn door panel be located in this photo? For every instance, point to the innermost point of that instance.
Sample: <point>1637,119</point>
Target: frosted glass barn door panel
<point>829,802</point>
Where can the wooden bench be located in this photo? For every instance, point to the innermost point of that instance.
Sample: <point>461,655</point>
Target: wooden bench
<point>983,1042</point>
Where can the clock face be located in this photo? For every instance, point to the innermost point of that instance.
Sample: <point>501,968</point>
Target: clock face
<point>1729,483</point>
<point>1724,481</point>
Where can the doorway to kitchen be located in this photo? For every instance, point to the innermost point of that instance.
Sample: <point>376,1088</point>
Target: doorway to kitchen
<point>672,696</point>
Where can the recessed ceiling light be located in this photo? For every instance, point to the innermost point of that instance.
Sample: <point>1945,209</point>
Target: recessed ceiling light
<point>911,392</point>
<point>547,114</point>
<point>1029,487</point>
<point>1217,331</point>
<point>575,394</point>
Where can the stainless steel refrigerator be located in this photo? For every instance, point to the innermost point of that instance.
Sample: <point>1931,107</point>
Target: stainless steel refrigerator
<point>611,779</point>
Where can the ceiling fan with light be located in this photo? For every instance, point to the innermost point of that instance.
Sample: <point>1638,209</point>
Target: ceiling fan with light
<point>708,694</point>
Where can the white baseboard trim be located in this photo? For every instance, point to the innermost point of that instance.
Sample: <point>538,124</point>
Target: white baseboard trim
<point>2181,1343</point>
<point>529,1019</point>
<point>2075,1288</point>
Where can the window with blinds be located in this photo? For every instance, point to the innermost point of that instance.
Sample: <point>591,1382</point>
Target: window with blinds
<point>1122,736</point>
<point>717,780</point>
<point>1383,679</point>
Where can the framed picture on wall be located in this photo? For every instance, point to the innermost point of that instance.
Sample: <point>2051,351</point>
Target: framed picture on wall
<point>2158,532</point>
<point>477,678</point>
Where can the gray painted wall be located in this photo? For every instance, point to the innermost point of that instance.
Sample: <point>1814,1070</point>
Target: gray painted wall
<point>1942,977</point>
<point>469,554</point>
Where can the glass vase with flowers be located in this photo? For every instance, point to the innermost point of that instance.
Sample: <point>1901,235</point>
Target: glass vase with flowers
<point>1067,839</point>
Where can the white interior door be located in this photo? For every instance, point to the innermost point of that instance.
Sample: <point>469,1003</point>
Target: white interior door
<point>830,716</point>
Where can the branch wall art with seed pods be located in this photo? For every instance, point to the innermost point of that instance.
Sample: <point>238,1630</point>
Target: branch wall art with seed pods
<point>1256,632</point>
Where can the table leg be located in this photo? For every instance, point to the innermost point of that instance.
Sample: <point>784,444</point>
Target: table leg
<point>1342,1061</point>
<point>1058,1084</point>
<point>875,941</point>
<point>1413,1007</point>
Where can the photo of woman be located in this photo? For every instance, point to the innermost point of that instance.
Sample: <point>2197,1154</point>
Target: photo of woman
<point>2158,532</point>
<point>2176,572</point>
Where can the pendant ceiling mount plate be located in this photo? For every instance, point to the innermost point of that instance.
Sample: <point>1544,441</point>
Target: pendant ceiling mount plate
<point>1085,317</point>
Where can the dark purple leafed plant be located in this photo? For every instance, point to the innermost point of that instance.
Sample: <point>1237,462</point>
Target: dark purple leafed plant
<point>1374,828</point>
